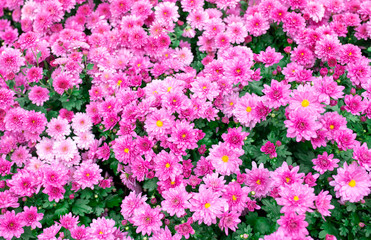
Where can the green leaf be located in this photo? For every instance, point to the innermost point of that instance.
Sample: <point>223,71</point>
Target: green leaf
<point>262,225</point>
<point>151,184</point>
<point>113,201</point>
<point>80,207</point>
<point>90,66</point>
<point>38,56</point>
<point>61,210</point>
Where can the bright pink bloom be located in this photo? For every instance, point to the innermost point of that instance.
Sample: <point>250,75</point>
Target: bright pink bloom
<point>296,197</point>
<point>277,94</point>
<point>258,179</point>
<point>31,218</point>
<point>235,137</point>
<point>88,175</point>
<point>325,163</point>
<point>167,166</point>
<point>11,225</point>
<point>102,229</point>
<point>269,57</point>
<point>185,229</point>
<point>147,219</point>
<point>352,183</point>
<point>130,203</point>
<point>176,201</point>
<point>269,149</point>
<point>362,154</point>
<point>354,104</point>
<point>225,159</point>
<point>293,225</point>
<point>323,203</point>
<point>286,176</point>
<point>207,206</point>
<point>229,220</point>
<point>38,95</point>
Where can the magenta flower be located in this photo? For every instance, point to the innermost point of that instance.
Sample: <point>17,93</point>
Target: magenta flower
<point>130,203</point>
<point>185,229</point>
<point>269,57</point>
<point>176,201</point>
<point>102,229</point>
<point>87,175</point>
<point>167,166</point>
<point>352,183</point>
<point>207,206</point>
<point>147,219</point>
<point>296,197</point>
<point>229,220</point>
<point>269,149</point>
<point>277,94</point>
<point>302,125</point>
<point>354,104</point>
<point>11,225</point>
<point>323,203</point>
<point>363,155</point>
<point>225,159</point>
<point>286,176</point>
<point>38,95</point>
<point>31,217</point>
<point>258,179</point>
<point>236,196</point>
<point>293,225</point>
<point>325,163</point>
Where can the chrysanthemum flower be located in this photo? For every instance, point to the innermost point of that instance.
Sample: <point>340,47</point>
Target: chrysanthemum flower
<point>167,166</point>
<point>147,219</point>
<point>235,137</point>
<point>323,203</point>
<point>102,228</point>
<point>229,220</point>
<point>293,225</point>
<point>302,125</point>
<point>11,60</point>
<point>286,176</point>
<point>159,124</point>
<point>58,128</point>
<point>362,154</point>
<point>31,218</point>
<point>353,104</point>
<point>352,183</point>
<point>81,122</point>
<point>88,175</point>
<point>185,229</point>
<point>130,203</point>
<point>269,57</point>
<point>207,206</point>
<point>38,95</point>
<point>225,159</point>
<point>11,225</point>
<point>236,196</point>
<point>277,94</point>
<point>176,201</point>
<point>325,163</point>
<point>258,179</point>
<point>244,110</point>
<point>296,197</point>
<point>65,150</point>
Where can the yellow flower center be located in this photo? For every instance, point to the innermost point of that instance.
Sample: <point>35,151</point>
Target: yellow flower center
<point>305,103</point>
<point>248,109</point>
<point>234,198</point>
<point>258,182</point>
<point>174,100</point>
<point>183,136</point>
<point>169,88</point>
<point>350,53</point>
<point>231,103</point>
<point>172,182</point>
<point>238,70</point>
<point>296,198</point>
<point>352,183</point>
<point>126,150</point>
<point>225,158</point>
<point>207,205</point>
<point>138,64</point>
<point>159,123</point>
<point>204,87</point>
<point>119,82</point>
<point>100,233</point>
<point>332,126</point>
<point>167,165</point>
<point>88,174</point>
<point>287,179</point>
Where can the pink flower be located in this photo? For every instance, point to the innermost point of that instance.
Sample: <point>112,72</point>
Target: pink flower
<point>332,123</point>
<point>54,175</point>
<point>327,88</point>
<point>102,229</point>
<point>277,94</point>
<point>58,128</point>
<point>302,125</point>
<point>54,193</point>
<point>159,124</point>
<point>204,89</point>
<point>328,47</point>
<point>245,108</point>
<point>257,24</point>
<point>23,183</point>
<point>35,122</point>
<point>166,12</point>
<point>207,206</point>
<point>225,159</point>
<point>293,225</point>
<point>352,183</point>
<point>305,98</point>
<point>130,203</point>
<point>65,150</point>
<point>34,74</point>
<point>269,57</point>
<point>323,203</point>
<point>68,221</point>
<point>176,201</point>
<point>11,60</point>
<point>258,179</point>
<point>287,176</point>
<point>235,137</point>
<point>88,175</point>
<point>31,218</point>
<point>81,122</point>
<point>325,163</point>
<point>11,225</point>
<point>363,155</point>
<point>147,219</point>
<point>229,220</point>
<point>354,104</point>
<point>184,135</point>
<point>296,197</point>
<point>185,229</point>
<point>38,95</point>
<point>167,166</point>
<point>269,149</point>
<point>236,196</point>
